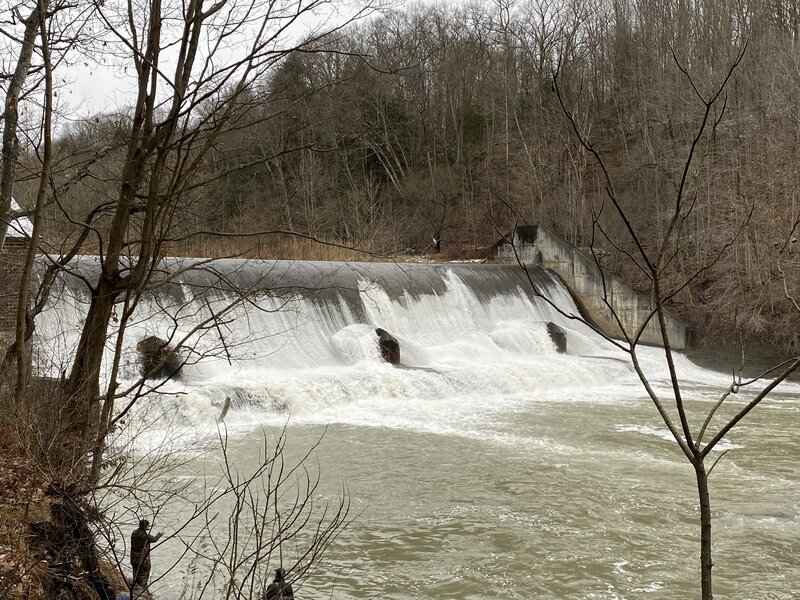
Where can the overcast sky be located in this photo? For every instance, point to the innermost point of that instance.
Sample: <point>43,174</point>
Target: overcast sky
<point>91,88</point>
<point>97,89</point>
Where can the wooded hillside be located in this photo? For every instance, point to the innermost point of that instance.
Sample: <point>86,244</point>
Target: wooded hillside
<point>442,123</point>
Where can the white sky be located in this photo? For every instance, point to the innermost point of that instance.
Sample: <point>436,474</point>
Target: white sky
<point>91,88</point>
<point>97,89</point>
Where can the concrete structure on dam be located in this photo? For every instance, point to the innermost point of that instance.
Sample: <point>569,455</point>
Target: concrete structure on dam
<point>12,260</point>
<point>604,299</point>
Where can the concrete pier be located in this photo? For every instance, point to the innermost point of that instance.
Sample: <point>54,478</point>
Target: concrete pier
<point>599,294</point>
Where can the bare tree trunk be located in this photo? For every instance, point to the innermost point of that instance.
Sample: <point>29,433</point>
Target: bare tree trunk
<point>705,529</point>
<point>24,328</point>
<point>83,385</point>
<point>11,119</point>
<point>82,388</point>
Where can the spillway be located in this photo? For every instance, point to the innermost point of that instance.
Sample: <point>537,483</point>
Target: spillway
<point>297,340</point>
<point>299,337</point>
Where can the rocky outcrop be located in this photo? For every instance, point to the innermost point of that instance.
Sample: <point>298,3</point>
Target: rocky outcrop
<point>389,346</point>
<point>559,337</point>
<point>157,359</point>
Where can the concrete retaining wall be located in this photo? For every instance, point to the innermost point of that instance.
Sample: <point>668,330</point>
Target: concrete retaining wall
<point>593,289</point>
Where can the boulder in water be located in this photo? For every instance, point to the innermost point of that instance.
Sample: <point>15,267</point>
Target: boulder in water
<point>390,347</point>
<point>157,360</point>
<point>559,337</point>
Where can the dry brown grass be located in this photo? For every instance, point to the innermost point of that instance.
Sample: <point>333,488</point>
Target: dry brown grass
<point>283,247</point>
<point>28,532</point>
<point>22,502</point>
<point>287,246</point>
<point>291,247</point>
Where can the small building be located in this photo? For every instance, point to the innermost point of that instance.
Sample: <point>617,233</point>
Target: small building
<point>12,260</point>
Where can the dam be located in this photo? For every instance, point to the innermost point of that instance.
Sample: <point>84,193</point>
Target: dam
<point>598,297</point>
<point>238,315</point>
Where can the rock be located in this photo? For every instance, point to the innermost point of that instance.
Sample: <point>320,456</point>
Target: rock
<point>157,360</point>
<point>559,337</point>
<point>390,347</point>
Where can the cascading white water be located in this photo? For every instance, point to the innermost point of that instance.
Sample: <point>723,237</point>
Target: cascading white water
<point>298,340</point>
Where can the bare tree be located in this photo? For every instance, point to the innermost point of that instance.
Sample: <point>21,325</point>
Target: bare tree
<point>10,148</point>
<point>697,438</point>
<point>41,193</point>
<point>62,23</point>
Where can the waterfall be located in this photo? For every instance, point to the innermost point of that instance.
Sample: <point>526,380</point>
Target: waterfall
<point>296,340</point>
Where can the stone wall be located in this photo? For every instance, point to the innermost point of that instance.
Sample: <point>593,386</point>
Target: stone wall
<point>593,289</point>
<point>12,260</point>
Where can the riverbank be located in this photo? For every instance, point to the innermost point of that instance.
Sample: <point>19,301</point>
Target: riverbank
<point>48,517</point>
<point>757,361</point>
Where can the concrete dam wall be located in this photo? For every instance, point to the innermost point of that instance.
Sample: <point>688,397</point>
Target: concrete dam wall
<point>598,293</point>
